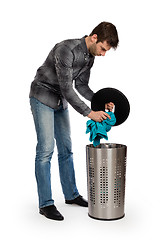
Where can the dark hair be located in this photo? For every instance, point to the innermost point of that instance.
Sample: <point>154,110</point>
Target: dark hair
<point>106,32</point>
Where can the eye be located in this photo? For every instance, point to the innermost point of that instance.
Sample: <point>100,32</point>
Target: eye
<point>103,49</point>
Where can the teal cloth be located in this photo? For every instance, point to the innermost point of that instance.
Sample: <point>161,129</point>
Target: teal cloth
<point>98,130</point>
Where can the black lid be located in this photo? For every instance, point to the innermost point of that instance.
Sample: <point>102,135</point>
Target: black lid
<point>106,95</point>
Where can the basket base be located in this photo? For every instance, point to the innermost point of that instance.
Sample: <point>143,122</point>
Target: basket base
<point>105,219</point>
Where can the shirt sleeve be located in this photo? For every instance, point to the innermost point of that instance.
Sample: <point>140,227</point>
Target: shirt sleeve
<point>81,85</point>
<point>63,63</point>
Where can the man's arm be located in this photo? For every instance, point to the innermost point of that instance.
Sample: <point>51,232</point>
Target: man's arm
<point>63,63</point>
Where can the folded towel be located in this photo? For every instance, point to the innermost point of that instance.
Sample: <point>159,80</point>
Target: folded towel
<point>98,130</point>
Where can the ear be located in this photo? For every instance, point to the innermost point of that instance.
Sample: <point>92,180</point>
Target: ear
<point>94,38</point>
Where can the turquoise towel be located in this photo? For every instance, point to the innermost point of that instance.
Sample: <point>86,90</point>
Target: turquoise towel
<point>99,130</point>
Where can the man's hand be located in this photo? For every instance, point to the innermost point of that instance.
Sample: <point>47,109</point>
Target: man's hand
<point>109,106</point>
<point>98,116</point>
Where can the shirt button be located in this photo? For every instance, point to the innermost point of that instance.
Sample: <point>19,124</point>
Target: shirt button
<point>85,57</point>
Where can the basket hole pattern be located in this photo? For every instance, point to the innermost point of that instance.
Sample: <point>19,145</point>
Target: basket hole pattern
<point>91,181</point>
<point>103,186</point>
<point>118,179</point>
<point>117,185</point>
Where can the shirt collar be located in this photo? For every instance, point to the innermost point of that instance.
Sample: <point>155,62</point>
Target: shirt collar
<point>84,46</point>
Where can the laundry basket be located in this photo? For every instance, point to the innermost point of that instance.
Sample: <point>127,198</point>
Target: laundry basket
<point>106,169</point>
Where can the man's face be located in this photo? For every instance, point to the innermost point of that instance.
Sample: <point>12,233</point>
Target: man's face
<point>99,49</point>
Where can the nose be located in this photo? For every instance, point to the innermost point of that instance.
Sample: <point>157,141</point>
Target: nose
<point>103,54</point>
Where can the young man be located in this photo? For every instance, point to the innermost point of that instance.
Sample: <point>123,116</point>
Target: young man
<point>69,61</point>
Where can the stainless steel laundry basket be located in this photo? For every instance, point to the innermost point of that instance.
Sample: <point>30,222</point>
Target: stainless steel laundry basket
<point>106,169</point>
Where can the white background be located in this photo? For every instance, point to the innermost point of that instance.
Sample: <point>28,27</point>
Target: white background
<point>29,29</point>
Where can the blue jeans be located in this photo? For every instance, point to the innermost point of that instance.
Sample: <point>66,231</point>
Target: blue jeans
<point>53,125</point>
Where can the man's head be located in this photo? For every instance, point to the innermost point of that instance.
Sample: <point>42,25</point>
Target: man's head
<point>102,38</point>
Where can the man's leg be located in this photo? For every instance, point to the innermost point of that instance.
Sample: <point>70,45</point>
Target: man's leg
<point>44,125</point>
<point>65,155</point>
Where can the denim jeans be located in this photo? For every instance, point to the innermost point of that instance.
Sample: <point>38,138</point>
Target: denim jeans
<point>53,125</point>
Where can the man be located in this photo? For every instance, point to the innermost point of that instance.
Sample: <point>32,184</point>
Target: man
<point>69,61</point>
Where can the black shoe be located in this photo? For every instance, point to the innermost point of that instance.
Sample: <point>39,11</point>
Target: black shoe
<point>51,212</point>
<point>79,201</point>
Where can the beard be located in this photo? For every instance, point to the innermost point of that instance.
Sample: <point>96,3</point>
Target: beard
<point>93,50</point>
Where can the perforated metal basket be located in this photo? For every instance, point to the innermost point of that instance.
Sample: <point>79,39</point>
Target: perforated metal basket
<point>106,169</point>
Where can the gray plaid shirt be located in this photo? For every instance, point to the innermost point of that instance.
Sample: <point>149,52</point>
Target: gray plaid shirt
<point>68,61</point>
